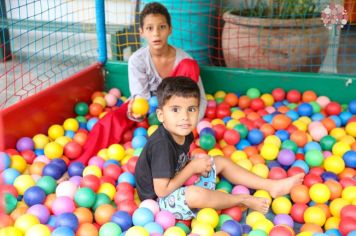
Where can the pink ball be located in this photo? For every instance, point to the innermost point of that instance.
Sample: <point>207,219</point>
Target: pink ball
<point>314,124</point>
<point>42,158</point>
<point>270,110</point>
<point>203,124</point>
<point>97,161</point>
<point>110,99</point>
<point>116,92</point>
<point>165,218</point>
<point>191,180</point>
<point>240,189</point>
<point>327,154</point>
<point>63,205</point>
<point>151,205</point>
<point>40,211</point>
<point>211,103</point>
<point>323,101</point>
<point>76,180</point>
<point>318,133</point>
<point>66,189</point>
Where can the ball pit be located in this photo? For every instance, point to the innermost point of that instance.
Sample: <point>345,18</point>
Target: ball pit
<point>273,135</point>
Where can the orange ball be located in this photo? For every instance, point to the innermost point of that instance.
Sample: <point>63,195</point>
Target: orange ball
<point>103,213</point>
<point>300,194</point>
<point>228,150</point>
<point>253,116</point>
<point>87,229</point>
<point>84,215</point>
<point>231,99</point>
<point>281,121</point>
<point>328,123</point>
<point>267,129</point>
<point>6,220</point>
<point>80,138</point>
<point>95,109</point>
<point>310,227</point>
<point>353,146</point>
<point>348,173</point>
<point>299,137</point>
<point>198,151</point>
<point>283,109</point>
<point>49,200</point>
<point>309,96</point>
<point>251,150</point>
<point>244,102</point>
<point>335,188</point>
<point>257,159</point>
<point>97,94</point>
<point>325,208</point>
<point>37,167</point>
<point>19,211</point>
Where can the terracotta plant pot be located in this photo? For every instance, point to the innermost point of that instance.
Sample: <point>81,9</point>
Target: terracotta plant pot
<point>274,44</point>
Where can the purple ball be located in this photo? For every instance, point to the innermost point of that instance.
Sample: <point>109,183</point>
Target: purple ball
<point>41,212</point>
<point>283,219</point>
<point>286,157</point>
<point>25,143</point>
<point>232,227</point>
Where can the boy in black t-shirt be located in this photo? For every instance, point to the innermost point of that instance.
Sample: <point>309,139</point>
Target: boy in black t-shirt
<point>164,164</point>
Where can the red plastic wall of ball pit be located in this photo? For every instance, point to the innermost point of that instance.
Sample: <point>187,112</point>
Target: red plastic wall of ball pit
<point>53,105</point>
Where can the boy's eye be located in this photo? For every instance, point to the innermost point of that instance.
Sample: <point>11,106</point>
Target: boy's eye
<point>192,109</point>
<point>149,28</point>
<point>175,109</point>
<point>163,26</point>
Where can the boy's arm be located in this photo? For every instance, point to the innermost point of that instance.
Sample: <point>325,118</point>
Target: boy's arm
<point>138,81</point>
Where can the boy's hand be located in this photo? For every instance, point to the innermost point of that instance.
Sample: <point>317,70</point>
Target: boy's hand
<point>201,164</point>
<point>131,115</point>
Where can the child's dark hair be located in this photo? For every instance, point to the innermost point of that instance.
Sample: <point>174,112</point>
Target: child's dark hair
<point>154,8</point>
<point>177,86</point>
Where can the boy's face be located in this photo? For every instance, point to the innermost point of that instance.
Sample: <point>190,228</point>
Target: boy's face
<point>179,116</point>
<point>155,30</point>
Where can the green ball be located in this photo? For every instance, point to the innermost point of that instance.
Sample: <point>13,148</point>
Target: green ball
<point>81,109</point>
<point>81,119</point>
<point>85,197</point>
<point>242,129</point>
<point>224,185</point>
<point>110,228</point>
<point>253,93</point>
<point>137,151</point>
<point>207,141</point>
<point>48,184</point>
<point>291,145</point>
<point>222,219</point>
<point>219,100</point>
<point>327,142</point>
<point>232,109</point>
<point>257,232</point>
<point>101,198</point>
<point>183,227</point>
<point>315,106</point>
<point>152,119</point>
<point>314,158</point>
<point>10,203</point>
<point>292,105</point>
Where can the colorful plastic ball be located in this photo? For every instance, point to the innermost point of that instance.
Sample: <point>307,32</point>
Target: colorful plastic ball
<point>314,215</point>
<point>278,94</point>
<point>39,229</point>
<point>34,195</point>
<point>66,188</point>
<point>110,228</point>
<point>72,150</point>
<point>269,151</point>
<point>87,229</point>
<point>18,163</point>
<point>202,229</point>
<point>319,193</point>
<point>142,216</point>
<point>63,205</point>
<point>10,202</point>
<point>297,212</point>
<point>305,109</point>
<point>151,205</point>
<point>349,193</point>
<point>165,218</point>
<point>253,217</point>
<point>140,106</point>
<point>333,108</point>
<point>349,158</point>
<point>255,136</point>
<point>40,141</point>
<point>208,216</point>
<point>294,96</point>
<point>281,205</point>
<point>53,150</point>
<point>300,194</point>
<point>283,219</point>
<point>335,164</point>
<point>286,157</point>
<point>137,231</point>
<point>5,161</point>
<point>25,222</point>
<point>67,220</point>
<point>24,143</point>
<point>103,213</point>
<point>123,219</point>
<point>71,124</point>
<point>263,224</point>
<point>207,142</point>
<point>85,197</point>
<point>81,109</point>
<point>47,183</point>
<point>23,182</point>
<point>41,212</point>
<point>127,177</point>
<point>314,157</point>
<point>91,122</point>
<point>232,227</point>
<point>277,173</point>
<point>75,168</point>
<point>92,170</point>
<point>9,175</point>
<point>138,142</point>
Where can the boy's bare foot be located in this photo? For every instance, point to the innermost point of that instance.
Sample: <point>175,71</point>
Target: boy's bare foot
<point>64,177</point>
<point>283,186</point>
<point>259,204</point>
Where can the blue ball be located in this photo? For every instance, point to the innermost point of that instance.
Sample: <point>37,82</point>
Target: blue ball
<point>123,219</point>
<point>63,231</point>
<point>278,104</point>
<point>333,232</point>
<point>154,227</point>
<point>226,119</point>
<point>34,195</point>
<point>255,136</point>
<point>312,146</point>
<point>69,133</point>
<point>302,164</point>
<point>127,177</point>
<point>283,135</point>
<point>5,161</point>
<point>153,102</point>
<point>91,122</point>
<point>207,130</point>
<point>76,169</point>
<point>232,227</point>
<point>9,175</point>
<point>329,175</point>
<point>140,131</point>
<point>242,144</point>
<point>142,216</point>
<point>292,114</point>
<point>337,120</point>
<point>345,116</point>
<point>350,159</point>
<point>272,164</point>
<point>317,117</point>
<point>52,221</point>
<point>52,170</point>
<point>67,220</point>
<point>39,152</point>
<point>305,109</point>
<point>138,142</point>
<point>246,228</point>
<point>268,118</point>
<point>60,163</point>
<point>111,161</point>
<point>352,106</point>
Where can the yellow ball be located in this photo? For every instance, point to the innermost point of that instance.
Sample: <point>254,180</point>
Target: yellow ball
<point>215,152</point>
<point>23,182</point>
<point>10,230</point>
<point>116,152</point>
<point>260,170</point>
<point>108,189</point>
<point>332,223</point>
<point>222,143</point>
<point>340,148</point>
<point>219,94</point>
<point>25,222</point>
<point>238,114</point>
<point>53,150</point>
<point>140,106</point>
<point>137,231</point>
<point>348,139</point>
<point>315,215</point>
<point>103,153</point>
<point>92,170</point>
<point>208,216</point>
<point>253,217</point>
<point>217,122</point>
<point>269,151</point>
<point>336,205</point>
<point>40,141</point>
<point>63,140</point>
<point>231,123</point>
<point>18,163</point>
<point>349,193</point>
<point>300,125</point>
<point>71,124</point>
<point>350,129</point>
<point>39,229</point>
<point>281,205</point>
<point>245,163</point>
<point>337,133</point>
<point>273,139</point>
<point>334,164</point>
<point>267,99</point>
<point>319,193</point>
<point>305,233</point>
<point>203,229</point>
<point>264,225</point>
<point>209,97</point>
<point>238,155</point>
<point>305,119</point>
<point>125,159</point>
<point>174,231</point>
<point>151,130</point>
<point>100,100</point>
<point>263,193</point>
<point>55,131</point>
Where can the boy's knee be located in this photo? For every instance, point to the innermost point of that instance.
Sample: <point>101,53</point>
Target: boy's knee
<point>194,194</point>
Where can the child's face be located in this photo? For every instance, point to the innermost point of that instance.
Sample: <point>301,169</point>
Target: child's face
<point>179,116</point>
<point>155,30</point>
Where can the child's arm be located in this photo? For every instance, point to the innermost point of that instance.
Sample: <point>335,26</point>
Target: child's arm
<point>165,186</point>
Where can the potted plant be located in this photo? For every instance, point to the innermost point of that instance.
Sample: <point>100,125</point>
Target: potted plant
<point>281,35</point>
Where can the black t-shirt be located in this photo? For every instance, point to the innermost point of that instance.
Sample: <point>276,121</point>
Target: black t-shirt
<point>161,157</point>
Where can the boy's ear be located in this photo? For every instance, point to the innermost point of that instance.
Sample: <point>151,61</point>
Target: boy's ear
<point>140,31</point>
<point>159,113</point>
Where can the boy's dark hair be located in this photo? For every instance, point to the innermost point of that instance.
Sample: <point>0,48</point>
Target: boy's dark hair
<point>177,86</point>
<point>154,8</point>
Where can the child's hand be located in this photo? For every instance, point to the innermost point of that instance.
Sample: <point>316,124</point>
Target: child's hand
<point>201,164</point>
<point>130,114</point>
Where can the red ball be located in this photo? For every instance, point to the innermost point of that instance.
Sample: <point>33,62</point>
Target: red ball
<point>278,94</point>
<point>127,136</point>
<point>125,187</point>
<point>128,206</point>
<point>72,150</point>
<point>347,225</point>
<point>131,164</point>
<point>297,212</point>
<point>235,212</point>
<point>257,104</point>
<point>347,182</point>
<point>12,152</point>
<point>316,170</point>
<point>113,171</point>
<point>122,196</point>
<point>311,179</point>
<point>219,131</point>
<point>127,145</point>
<point>231,137</point>
<point>143,124</point>
<point>294,170</point>
<point>7,188</point>
<point>277,173</point>
<point>90,181</point>
<point>294,96</point>
<point>107,179</point>
<point>29,156</point>
<point>333,108</point>
<point>210,112</point>
<point>348,211</point>
<point>281,230</point>
<point>223,110</point>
